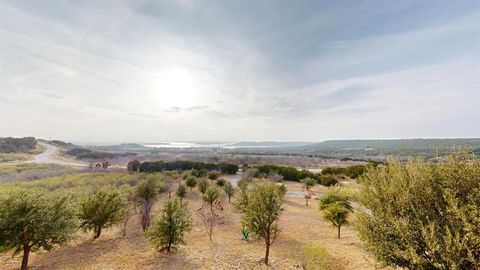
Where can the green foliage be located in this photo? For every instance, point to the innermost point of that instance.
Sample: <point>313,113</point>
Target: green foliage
<point>315,258</point>
<point>262,211</point>
<point>213,175</point>
<point>170,229</point>
<point>336,214</point>
<point>191,181</point>
<point>288,173</point>
<point>242,199</point>
<point>336,195</point>
<point>102,210</point>
<point>134,166</point>
<point>327,180</point>
<point>17,145</point>
<point>146,192</point>
<point>422,215</point>
<point>229,190</point>
<point>181,192</point>
<point>308,183</point>
<point>30,221</point>
<point>211,195</point>
<point>202,185</point>
<point>184,165</point>
<point>351,171</point>
<point>220,182</point>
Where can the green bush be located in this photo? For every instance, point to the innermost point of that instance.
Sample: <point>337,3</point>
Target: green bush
<point>423,215</point>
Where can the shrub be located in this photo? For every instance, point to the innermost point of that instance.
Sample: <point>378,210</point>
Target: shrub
<point>102,210</point>
<point>30,221</point>
<point>327,180</point>
<point>169,230</point>
<point>423,215</point>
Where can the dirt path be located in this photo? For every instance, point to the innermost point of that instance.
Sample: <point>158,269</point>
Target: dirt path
<point>50,156</point>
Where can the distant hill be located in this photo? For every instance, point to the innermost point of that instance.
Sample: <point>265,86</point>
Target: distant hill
<point>272,144</point>
<point>368,149</point>
<point>404,147</point>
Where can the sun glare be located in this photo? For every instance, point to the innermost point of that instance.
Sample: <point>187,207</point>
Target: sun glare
<point>174,87</point>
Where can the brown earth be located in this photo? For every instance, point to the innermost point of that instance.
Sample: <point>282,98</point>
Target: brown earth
<point>300,225</point>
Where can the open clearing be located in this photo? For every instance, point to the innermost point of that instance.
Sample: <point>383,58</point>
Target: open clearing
<point>300,225</point>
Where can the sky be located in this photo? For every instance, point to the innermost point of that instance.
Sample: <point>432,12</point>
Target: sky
<point>153,71</point>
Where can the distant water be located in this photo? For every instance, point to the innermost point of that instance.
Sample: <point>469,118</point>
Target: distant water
<point>198,145</point>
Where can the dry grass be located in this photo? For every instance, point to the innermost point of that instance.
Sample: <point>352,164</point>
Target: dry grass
<point>300,225</point>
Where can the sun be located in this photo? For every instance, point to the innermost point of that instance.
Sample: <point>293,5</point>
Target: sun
<point>174,87</point>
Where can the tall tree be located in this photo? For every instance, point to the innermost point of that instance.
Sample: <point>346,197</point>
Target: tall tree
<point>30,221</point>
<point>170,229</point>
<point>261,213</point>
<point>102,210</point>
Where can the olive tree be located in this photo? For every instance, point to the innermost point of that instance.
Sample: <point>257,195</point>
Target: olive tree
<point>262,211</point>
<point>191,182</point>
<point>336,214</point>
<point>213,175</point>
<point>210,196</point>
<point>202,185</point>
<point>30,221</point>
<point>229,190</point>
<point>181,192</point>
<point>102,210</point>
<point>423,215</point>
<point>308,183</point>
<point>146,192</point>
<point>169,230</point>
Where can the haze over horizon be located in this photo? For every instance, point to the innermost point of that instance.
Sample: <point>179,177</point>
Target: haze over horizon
<point>153,71</point>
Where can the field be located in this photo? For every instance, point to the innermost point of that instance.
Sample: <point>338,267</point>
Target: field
<point>301,225</point>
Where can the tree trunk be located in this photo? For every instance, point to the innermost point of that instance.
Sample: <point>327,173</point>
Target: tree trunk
<point>169,246</point>
<point>98,232</point>
<point>26,252</point>
<point>306,201</point>
<point>228,199</point>
<point>267,252</point>
<point>338,232</point>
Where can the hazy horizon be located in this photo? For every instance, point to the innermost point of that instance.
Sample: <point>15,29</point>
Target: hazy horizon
<point>177,70</point>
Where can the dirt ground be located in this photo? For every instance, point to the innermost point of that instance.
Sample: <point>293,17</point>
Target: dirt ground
<point>300,225</point>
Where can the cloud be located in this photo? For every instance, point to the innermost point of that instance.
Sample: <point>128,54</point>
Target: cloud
<point>278,71</point>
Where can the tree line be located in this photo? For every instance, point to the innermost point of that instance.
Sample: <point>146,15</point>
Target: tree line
<point>182,165</point>
<point>17,145</point>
